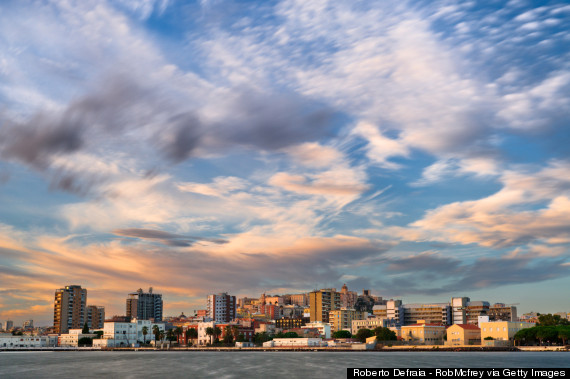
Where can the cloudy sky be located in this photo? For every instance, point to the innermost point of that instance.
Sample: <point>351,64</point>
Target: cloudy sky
<point>418,149</point>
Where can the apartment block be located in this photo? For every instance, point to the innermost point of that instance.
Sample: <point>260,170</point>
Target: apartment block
<point>221,307</point>
<point>69,308</point>
<point>321,302</point>
<point>341,319</point>
<point>144,305</point>
<point>95,316</point>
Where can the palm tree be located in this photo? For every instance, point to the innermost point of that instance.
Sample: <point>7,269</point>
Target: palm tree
<point>178,332</point>
<point>144,332</point>
<point>210,332</point>
<point>191,333</point>
<point>156,332</point>
<point>217,332</point>
<point>161,335</point>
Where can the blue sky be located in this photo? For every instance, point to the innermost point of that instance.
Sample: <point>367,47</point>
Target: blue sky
<point>417,149</point>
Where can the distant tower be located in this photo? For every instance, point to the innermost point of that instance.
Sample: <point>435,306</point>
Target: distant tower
<point>144,306</point>
<point>69,308</point>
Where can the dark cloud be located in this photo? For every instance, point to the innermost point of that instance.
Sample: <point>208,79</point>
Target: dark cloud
<point>272,122</point>
<point>128,116</point>
<point>449,275</point>
<point>170,239</point>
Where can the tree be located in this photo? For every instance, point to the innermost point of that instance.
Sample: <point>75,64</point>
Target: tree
<point>178,332</point>
<point>548,320</point>
<point>240,338</point>
<point>564,334</point>
<point>217,333</point>
<point>156,332</point>
<point>210,332</point>
<point>546,333</point>
<point>363,334</point>
<point>290,335</point>
<point>85,329</point>
<point>99,334</point>
<point>191,333</point>
<point>260,338</point>
<point>85,341</point>
<point>489,338</point>
<point>384,334</point>
<point>144,333</point>
<point>342,334</point>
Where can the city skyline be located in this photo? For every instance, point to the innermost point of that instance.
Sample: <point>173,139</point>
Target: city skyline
<point>417,149</point>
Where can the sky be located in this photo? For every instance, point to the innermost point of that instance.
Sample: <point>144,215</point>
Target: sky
<point>418,149</point>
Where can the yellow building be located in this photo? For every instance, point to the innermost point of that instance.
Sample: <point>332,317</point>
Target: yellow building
<point>341,319</point>
<point>423,333</point>
<point>323,301</point>
<point>502,330</point>
<point>463,334</point>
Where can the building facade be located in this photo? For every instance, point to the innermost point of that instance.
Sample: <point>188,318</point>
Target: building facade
<point>425,333</point>
<point>221,307</point>
<point>95,316</point>
<point>502,330</point>
<point>323,301</point>
<point>341,319</point>
<point>463,334</point>
<point>69,308</point>
<point>144,306</point>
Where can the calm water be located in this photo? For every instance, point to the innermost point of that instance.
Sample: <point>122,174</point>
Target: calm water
<point>247,364</point>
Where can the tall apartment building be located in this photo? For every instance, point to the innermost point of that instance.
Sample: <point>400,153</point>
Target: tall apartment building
<point>28,324</point>
<point>9,325</point>
<point>391,311</point>
<point>144,305</point>
<point>95,316</point>
<point>221,307</point>
<point>321,302</point>
<point>69,308</point>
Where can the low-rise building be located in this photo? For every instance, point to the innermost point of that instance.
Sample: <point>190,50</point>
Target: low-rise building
<point>369,323</point>
<point>278,342</point>
<point>463,334</point>
<point>502,330</point>
<point>323,328</point>
<point>425,333</point>
<point>10,341</point>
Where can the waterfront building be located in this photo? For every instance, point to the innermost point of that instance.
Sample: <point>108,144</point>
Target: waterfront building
<point>69,308</point>
<point>323,301</point>
<point>145,306</point>
<point>119,334</point>
<point>369,323</point>
<point>10,341</point>
<point>341,319</point>
<point>423,332</point>
<point>463,334</point>
<point>324,329</point>
<point>435,313</point>
<point>502,330</point>
<point>95,316</point>
<point>221,307</point>
<point>72,338</point>
<point>282,342</point>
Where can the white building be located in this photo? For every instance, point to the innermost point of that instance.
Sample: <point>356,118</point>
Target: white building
<point>72,338</point>
<point>10,341</point>
<point>119,334</point>
<point>323,328</point>
<point>278,342</point>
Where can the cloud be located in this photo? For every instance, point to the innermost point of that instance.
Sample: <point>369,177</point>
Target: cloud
<point>166,238</point>
<point>509,217</point>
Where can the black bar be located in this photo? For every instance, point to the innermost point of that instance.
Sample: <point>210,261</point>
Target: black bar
<point>473,373</point>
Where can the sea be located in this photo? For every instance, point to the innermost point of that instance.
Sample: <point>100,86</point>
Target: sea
<point>204,364</point>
